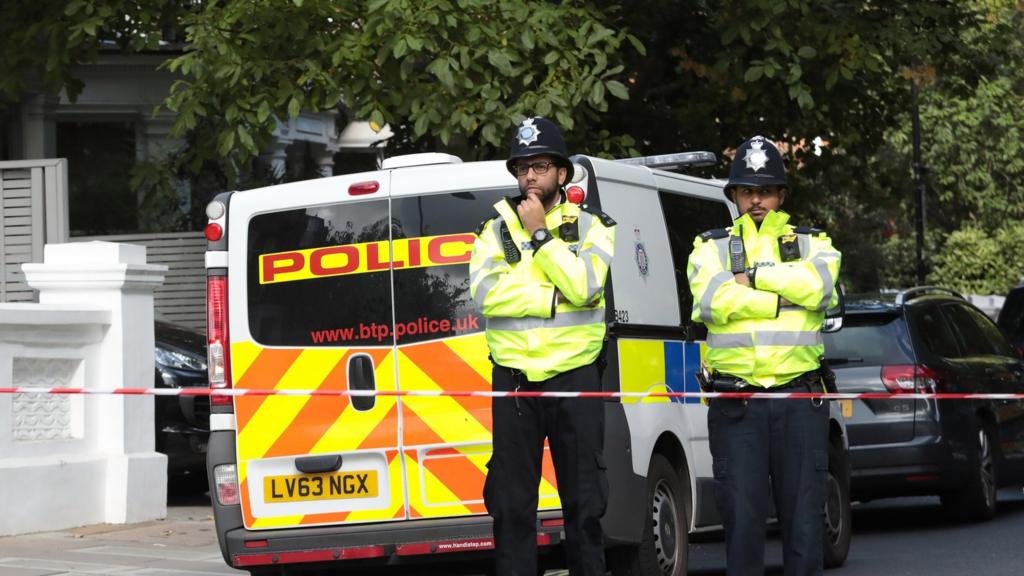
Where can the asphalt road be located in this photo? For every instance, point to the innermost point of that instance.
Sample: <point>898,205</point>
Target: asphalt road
<point>909,537</point>
<point>900,537</point>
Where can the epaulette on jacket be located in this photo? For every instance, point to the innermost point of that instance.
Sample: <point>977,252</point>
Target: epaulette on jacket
<point>808,230</point>
<point>483,225</point>
<point>714,234</point>
<point>604,218</point>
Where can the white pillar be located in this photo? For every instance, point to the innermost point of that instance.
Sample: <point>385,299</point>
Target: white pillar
<point>115,277</point>
<point>325,160</point>
<point>39,126</point>
<point>277,156</point>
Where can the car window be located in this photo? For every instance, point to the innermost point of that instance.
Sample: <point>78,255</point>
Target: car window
<point>1011,317</point>
<point>686,217</point>
<point>872,340</point>
<point>432,295</point>
<point>319,276</point>
<point>977,335</point>
<point>934,332</point>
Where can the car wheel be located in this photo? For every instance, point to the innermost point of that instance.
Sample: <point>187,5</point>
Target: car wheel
<point>977,500</point>
<point>838,515</point>
<point>665,546</point>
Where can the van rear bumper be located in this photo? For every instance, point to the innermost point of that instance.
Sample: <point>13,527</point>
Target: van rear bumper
<point>388,543</point>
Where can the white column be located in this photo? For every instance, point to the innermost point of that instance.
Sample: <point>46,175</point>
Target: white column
<point>277,156</point>
<point>325,160</point>
<point>115,277</point>
<point>39,126</point>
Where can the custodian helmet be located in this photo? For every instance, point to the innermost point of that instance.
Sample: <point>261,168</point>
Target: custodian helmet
<point>536,136</point>
<point>758,163</point>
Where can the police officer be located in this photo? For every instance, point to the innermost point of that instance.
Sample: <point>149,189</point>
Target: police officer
<point>537,272</point>
<point>762,287</point>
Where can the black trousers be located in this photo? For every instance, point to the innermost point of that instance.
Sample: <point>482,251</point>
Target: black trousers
<point>779,444</point>
<point>575,430</point>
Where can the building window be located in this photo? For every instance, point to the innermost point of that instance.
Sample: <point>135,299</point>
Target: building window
<point>100,159</point>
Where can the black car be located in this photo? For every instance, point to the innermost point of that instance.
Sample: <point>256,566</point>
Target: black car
<point>182,422</point>
<point>1011,317</point>
<point>929,339</point>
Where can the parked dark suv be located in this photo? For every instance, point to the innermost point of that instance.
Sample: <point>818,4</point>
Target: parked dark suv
<point>182,422</point>
<point>929,339</point>
<point>1011,317</point>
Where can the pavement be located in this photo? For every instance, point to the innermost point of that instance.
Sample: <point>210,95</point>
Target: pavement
<point>183,544</point>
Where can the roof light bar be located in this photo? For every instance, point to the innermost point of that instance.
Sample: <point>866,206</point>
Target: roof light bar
<point>672,161</point>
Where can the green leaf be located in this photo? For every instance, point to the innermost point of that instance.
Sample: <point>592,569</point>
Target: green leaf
<point>527,39</point>
<point>807,52</point>
<point>637,44</point>
<point>617,89</point>
<point>298,3</point>
<point>550,58</point>
<point>263,112</point>
<point>294,107</point>
<point>753,74</point>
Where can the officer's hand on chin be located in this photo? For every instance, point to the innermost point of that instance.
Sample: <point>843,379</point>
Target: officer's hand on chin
<point>531,213</point>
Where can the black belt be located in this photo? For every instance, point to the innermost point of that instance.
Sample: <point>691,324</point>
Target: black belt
<point>808,382</point>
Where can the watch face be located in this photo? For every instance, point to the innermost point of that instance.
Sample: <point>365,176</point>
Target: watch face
<point>540,235</point>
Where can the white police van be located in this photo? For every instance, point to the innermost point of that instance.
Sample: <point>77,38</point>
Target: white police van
<point>360,282</point>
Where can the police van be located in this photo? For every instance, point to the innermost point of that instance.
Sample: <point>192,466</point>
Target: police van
<point>360,283</point>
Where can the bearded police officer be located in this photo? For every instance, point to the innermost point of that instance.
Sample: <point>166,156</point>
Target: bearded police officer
<point>538,272</point>
<point>762,287</point>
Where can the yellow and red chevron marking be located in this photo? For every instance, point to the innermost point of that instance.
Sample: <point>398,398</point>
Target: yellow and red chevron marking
<point>276,426</point>
<point>452,435</point>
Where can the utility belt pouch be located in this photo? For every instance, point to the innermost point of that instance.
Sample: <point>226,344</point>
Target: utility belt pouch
<point>828,377</point>
<point>728,384</point>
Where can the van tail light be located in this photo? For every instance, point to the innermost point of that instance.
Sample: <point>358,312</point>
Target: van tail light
<point>225,484</point>
<point>217,344</point>
<point>909,379</point>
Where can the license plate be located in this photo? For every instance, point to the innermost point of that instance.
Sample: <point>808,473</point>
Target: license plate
<point>326,486</point>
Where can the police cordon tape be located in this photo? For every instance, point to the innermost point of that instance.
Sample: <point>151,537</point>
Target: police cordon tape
<point>519,394</point>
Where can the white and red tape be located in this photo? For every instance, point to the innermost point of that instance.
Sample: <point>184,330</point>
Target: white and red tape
<point>520,394</point>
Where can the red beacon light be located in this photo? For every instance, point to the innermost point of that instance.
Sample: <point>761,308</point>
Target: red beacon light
<point>575,194</point>
<point>361,188</point>
<point>213,232</point>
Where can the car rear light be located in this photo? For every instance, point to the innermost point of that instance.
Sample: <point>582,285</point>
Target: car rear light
<point>213,232</point>
<point>218,345</point>
<point>575,194</point>
<point>909,378</point>
<point>225,482</point>
<point>360,188</point>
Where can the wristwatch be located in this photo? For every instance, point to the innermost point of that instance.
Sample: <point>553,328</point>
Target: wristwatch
<point>540,237</point>
<point>751,273</point>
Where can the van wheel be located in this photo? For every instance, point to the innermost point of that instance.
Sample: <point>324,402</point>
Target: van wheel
<point>665,546</point>
<point>838,515</point>
<point>977,500</point>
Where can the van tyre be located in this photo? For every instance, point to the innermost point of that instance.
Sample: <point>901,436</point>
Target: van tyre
<point>664,548</point>
<point>976,501</point>
<point>838,514</point>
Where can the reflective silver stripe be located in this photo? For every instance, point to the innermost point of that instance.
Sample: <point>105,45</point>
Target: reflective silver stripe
<point>585,221</point>
<point>827,254</point>
<point>827,282</point>
<point>705,300</point>
<point>743,340</point>
<point>593,284</point>
<point>599,252</point>
<point>484,268</point>
<point>483,289</point>
<point>559,320</point>
<point>805,245</point>
<point>791,308</point>
<point>696,270</point>
<point>787,338</point>
<point>723,251</point>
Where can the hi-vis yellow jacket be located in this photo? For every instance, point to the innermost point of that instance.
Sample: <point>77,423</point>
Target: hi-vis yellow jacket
<point>750,335</point>
<point>525,330</point>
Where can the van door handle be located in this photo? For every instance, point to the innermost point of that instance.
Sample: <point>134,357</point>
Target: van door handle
<point>314,464</point>
<point>362,377</point>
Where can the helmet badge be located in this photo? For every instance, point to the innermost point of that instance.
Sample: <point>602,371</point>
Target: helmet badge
<point>527,133</point>
<point>756,157</point>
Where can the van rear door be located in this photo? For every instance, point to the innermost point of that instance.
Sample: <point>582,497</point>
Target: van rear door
<point>440,336</point>
<point>311,309</point>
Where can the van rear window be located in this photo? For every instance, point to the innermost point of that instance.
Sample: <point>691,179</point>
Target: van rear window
<point>319,276</point>
<point>433,301</point>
